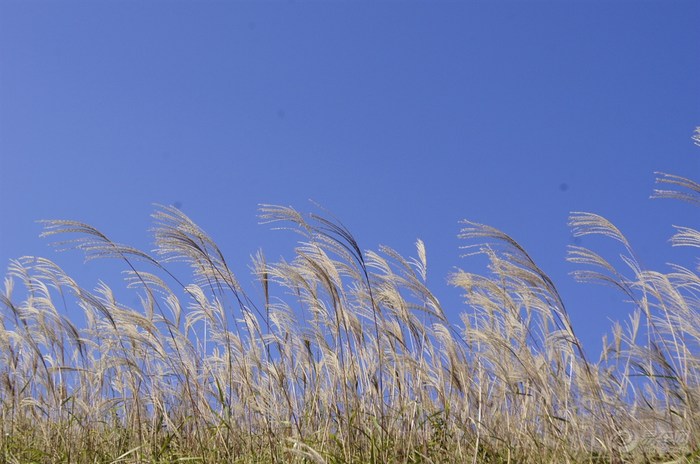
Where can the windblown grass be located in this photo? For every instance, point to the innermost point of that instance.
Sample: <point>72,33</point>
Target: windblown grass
<point>346,357</point>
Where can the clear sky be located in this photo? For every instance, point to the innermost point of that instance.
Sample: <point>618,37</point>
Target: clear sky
<point>400,117</point>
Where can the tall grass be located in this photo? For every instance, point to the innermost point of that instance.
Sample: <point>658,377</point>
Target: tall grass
<point>346,355</point>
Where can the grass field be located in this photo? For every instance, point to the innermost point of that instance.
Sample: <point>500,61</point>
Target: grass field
<point>346,357</point>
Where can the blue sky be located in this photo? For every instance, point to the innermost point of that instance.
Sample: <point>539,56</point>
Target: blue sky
<point>400,117</point>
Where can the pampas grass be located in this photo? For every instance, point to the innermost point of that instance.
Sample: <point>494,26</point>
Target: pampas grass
<point>346,356</point>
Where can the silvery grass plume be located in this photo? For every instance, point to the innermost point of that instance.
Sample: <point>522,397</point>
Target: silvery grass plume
<point>345,355</point>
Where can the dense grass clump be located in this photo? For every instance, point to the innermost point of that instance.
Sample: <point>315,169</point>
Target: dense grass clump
<point>346,357</point>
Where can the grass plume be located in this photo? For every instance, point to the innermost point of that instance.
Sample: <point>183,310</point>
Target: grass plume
<point>347,356</point>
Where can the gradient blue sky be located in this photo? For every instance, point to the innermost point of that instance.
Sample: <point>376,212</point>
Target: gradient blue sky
<point>400,117</point>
